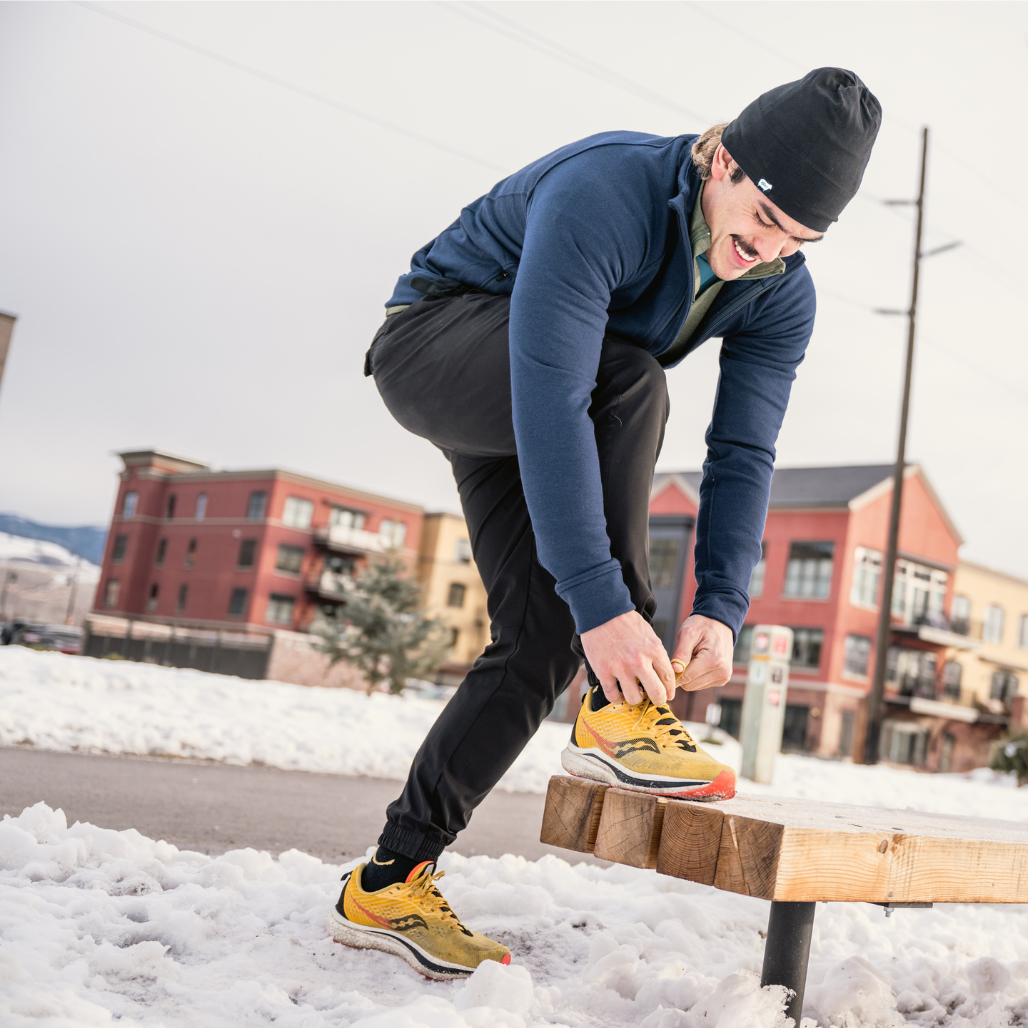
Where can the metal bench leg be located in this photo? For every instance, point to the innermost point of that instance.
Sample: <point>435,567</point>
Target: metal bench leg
<point>786,951</point>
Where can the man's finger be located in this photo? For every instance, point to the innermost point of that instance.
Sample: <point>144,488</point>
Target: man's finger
<point>713,679</point>
<point>630,689</point>
<point>611,691</point>
<point>703,663</point>
<point>654,687</point>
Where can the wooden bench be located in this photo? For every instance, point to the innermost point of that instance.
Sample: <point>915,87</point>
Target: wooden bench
<point>794,853</point>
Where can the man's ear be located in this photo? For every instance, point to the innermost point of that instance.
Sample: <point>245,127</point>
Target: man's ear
<point>722,164</point>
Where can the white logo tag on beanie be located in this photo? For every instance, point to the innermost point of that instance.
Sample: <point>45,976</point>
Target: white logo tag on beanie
<point>764,184</point>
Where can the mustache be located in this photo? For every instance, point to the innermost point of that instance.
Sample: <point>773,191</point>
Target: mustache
<point>745,247</point>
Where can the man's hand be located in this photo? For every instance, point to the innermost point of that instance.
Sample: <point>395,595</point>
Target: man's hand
<point>703,653</point>
<point>626,651</point>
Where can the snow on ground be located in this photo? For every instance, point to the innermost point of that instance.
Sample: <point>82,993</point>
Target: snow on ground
<point>59,702</point>
<point>18,549</point>
<point>98,926</point>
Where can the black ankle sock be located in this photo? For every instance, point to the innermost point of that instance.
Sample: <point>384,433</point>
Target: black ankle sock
<point>599,698</point>
<point>385,868</point>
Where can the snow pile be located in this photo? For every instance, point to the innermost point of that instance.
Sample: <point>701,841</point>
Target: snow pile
<point>18,549</point>
<point>98,925</point>
<point>59,702</point>
<point>99,706</point>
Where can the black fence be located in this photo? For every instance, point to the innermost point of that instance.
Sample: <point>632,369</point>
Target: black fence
<point>220,653</point>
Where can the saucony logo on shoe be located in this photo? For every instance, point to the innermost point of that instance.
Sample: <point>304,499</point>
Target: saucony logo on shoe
<point>402,924</point>
<point>621,748</point>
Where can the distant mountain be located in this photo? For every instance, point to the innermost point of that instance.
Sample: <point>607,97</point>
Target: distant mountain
<point>85,540</point>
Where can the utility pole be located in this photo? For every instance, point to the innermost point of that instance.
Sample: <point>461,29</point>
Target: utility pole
<point>888,573</point>
<point>69,617</point>
<point>6,330</point>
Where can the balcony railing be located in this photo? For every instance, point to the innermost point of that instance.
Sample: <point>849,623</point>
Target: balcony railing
<point>351,540</point>
<point>329,584</point>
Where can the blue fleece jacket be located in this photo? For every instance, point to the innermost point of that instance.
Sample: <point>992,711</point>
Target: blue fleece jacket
<point>594,238</point>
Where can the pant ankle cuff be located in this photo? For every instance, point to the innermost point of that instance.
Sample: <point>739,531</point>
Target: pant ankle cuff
<point>411,843</point>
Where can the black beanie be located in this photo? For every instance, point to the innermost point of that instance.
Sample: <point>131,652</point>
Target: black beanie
<point>805,144</point>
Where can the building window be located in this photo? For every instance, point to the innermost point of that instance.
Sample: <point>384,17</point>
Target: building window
<point>237,603</point>
<point>297,513</point>
<point>1003,685</point>
<point>183,595</point>
<point>663,561</point>
<point>462,551</point>
<point>340,564</point>
<point>992,631</point>
<point>809,574</point>
<point>346,518</point>
<point>454,636</point>
<point>756,587</point>
<point>256,506</point>
<point>867,569</point>
<point>201,506</point>
<point>118,550</point>
<point>960,621</point>
<point>247,553</point>
<point>913,671</point>
<point>151,600</point>
<point>1022,633</point>
<point>903,742</point>
<point>280,609</point>
<point>290,559</point>
<point>129,504</point>
<point>856,655</point>
<point>741,654</point>
<point>162,550</point>
<point>190,554</point>
<point>393,533</point>
<point>169,511</point>
<point>918,593</point>
<point>111,591</point>
<point>806,648</point>
<point>952,674</point>
<point>455,597</point>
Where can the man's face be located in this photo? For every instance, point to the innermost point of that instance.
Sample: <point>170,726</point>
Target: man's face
<point>745,227</point>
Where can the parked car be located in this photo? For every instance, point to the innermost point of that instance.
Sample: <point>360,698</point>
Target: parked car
<point>62,638</point>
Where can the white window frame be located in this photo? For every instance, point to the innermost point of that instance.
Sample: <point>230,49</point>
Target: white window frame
<point>867,574</point>
<point>201,507</point>
<point>130,504</point>
<point>994,623</point>
<point>297,513</point>
<point>912,582</point>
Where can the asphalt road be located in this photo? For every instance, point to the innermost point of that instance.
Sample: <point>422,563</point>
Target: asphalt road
<point>213,807</point>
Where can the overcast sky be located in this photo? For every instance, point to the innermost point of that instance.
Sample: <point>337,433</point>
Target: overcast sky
<point>202,215</point>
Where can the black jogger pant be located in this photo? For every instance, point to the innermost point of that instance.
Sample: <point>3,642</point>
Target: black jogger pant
<point>442,367</point>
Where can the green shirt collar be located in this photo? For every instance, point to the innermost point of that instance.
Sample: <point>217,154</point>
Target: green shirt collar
<point>699,239</point>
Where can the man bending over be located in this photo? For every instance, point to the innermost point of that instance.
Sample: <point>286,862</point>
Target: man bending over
<point>529,342</point>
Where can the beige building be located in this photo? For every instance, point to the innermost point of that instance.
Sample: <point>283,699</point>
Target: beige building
<point>990,606</point>
<point>453,589</point>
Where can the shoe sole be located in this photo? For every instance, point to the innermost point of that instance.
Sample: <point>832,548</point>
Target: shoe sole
<point>595,765</point>
<point>360,936</point>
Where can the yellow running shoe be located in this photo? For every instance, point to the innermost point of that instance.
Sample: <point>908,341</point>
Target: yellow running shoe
<point>412,920</point>
<point>644,748</point>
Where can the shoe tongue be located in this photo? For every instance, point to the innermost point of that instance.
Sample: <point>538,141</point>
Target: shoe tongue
<point>418,869</point>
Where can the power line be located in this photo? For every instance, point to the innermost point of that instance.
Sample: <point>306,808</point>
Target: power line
<point>292,87</point>
<point>489,19</point>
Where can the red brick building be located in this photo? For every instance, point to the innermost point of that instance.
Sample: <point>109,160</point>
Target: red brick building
<point>247,553</point>
<point>824,541</point>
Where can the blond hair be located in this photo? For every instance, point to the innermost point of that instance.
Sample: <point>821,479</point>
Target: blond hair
<point>703,151</point>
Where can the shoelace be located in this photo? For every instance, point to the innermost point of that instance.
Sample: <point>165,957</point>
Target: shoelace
<point>423,887</point>
<point>663,723</point>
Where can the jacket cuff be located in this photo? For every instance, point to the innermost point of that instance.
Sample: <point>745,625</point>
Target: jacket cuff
<point>728,608</point>
<point>596,596</point>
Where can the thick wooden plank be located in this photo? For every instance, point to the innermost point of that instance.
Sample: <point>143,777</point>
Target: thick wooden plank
<point>689,841</point>
<point>800,850</point>
<point>630,826</point>
<point>572,814</point>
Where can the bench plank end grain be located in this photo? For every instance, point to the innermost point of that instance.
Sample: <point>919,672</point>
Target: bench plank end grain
<point>572,814</point>
<point>630,828</point>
